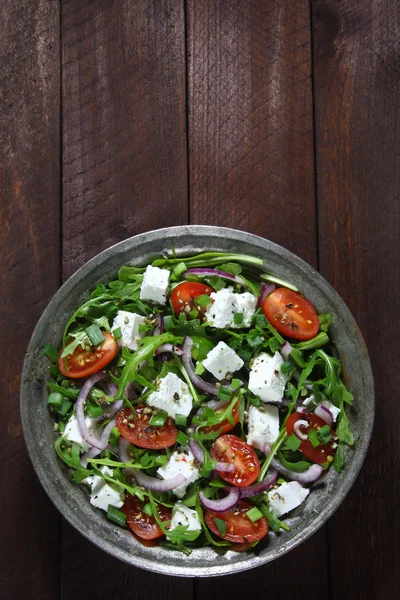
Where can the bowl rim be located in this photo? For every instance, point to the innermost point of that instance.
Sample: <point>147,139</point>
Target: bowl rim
<point>230,567</point>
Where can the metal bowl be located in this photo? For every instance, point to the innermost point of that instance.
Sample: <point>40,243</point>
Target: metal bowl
<point>72,500</point>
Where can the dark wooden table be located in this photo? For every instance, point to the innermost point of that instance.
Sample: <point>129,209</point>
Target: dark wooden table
<point>277,117</point>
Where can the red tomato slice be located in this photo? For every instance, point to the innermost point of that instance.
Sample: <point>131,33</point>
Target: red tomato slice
<point>226,425</point>
<point>183,296</point>
<point>232,450</point>
<point>137,430</point>
<point>321,454</point>
<point>141,524</point>
<point>239,528</point>
<point>291,314</point>
<point>86,362</point>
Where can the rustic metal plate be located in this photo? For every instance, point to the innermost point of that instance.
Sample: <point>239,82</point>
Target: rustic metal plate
<point>72,500</point>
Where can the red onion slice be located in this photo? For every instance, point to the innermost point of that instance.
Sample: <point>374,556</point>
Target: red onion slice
<point>297,429</point>
<point>158,485</point>
<point>325,414</point>
<point>286,350</point>
<point>209,388</point>
<point>266,290</point>
<point>308,476</point>
<point>93,452</point>
<point>198,453</point>
<point>85,433</point>
<point>169,348</point>
<point>301,409</point>
<point>159,328</point>
<point>257,488</point>
<point>221,505</point>
<point>204,272</point>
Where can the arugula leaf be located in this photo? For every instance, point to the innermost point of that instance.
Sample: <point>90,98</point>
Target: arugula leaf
<point>99,302</point>
<point>79,339</point>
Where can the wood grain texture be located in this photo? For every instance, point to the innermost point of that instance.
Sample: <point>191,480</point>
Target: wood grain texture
<point>124,122</point>
<point>357,100</point>
<point>29,274</point>
<point>252,167</point>
<point>125,171</point>
<point>250,119</point>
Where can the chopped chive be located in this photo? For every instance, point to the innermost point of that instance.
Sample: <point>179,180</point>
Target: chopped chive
<point>94,334</point>
<point>255,341</point>
<point>179,269</point>
<point>180,420</point>
<point>200,368</point>
<point>158,420</point>
<point>182,438</point>
<point>313,437</point>
<point>217,283</point>
<point>160,460</point>
<point>324,434</point>
<point>279,281</point>
<point>255,401</point>
<point>254,514</point>
<point>235,384</point>
<point>116,516</point>
<point>238,318</point>
<point>51,352</point>
<point>168,323</point>
<point>55,400</point>
<point>224,394</point>
<point>117,333</point>
<point>293,442</point>
<point>94,410</point>
<point>221,525</point>
<point>203,300</point>
<point>64,408</point>
<point>194,313</point>
<point>147,510</point>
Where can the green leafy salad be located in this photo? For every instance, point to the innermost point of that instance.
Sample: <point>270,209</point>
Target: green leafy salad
<point>197,399</point>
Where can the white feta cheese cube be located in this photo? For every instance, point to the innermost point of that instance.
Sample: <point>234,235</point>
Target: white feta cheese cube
<point>286,497</point>
<point>73,434</point>
<point>263,426</point>
<point>129,324</point>
<point>172,395</point>
<point>154,285</point>
<point>104,493</point>
<point>334,409</point>
<point>222,360</point>
<point>225,304</point>
<point>184,516</point>
<point>180,462</point>
<point>266,379</point>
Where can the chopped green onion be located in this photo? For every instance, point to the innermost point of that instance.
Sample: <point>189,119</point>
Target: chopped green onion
<point>115,515</point>
<point>200,368</point>
<point>324,434</point>
<point>147,509</point>
<point>94,334</point>
<point>203,300</point>
<point>51,352</point>
<point>238,318</point>
<point>158,420</point>
<point>64,408</point>
<point>55,400</point>
<point>182,438</point>
<point>254,400</point>
<point>221,525</point>
<point>168,323</point>
<point>94,410</point>
<point>293,442</point>
<point>279,281</point>
<point>235,383</point>
<point>117,333</point>
<point>179,269</point>
<point>194,313</point>
<point>255,341</point>
<point>224,394</point>
<point>313,437</point>
<point>217,283</point>
<point>254,514</point>
<point>181,420</point>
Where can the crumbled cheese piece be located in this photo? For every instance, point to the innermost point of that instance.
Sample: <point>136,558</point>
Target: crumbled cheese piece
<point>184,516</point>
<point>72,431</point>
<point>222,360</point>
<point>286,497</point>
<point>266,379</point>
<point>172,395</point>
<point>154,285</point>
<point>263,426</point>
<point>180,462</point>
<point>129,324</point>
<point>104,493</point>
<point>225,304</point>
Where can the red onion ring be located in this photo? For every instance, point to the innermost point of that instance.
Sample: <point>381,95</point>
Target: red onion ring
<point>209,388</point>
<point>224,504</point>
<point>325,414</point>
<point>198,453</point>
<point>204,272</point>
<point>159,328</point>
<point>296,427</point>
<point>308,476</point>
<point>93,452</point>
<point>85,433</point>
<point>266,290</point>
<point>257,488</point>
<point>286,350</point>
<point>169,348</point>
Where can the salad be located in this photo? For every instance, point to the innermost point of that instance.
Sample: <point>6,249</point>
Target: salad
<point>196,399</point>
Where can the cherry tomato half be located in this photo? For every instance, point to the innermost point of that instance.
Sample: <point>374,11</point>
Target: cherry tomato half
<point>141,524</point>
<point>226,425</point>
<point>232,450</point>
<point>82,363</point>
<point>137,430</point>
<point>183,296</point>
<point>291,314</point>
<point>239,528</point>
<point>322,453</point>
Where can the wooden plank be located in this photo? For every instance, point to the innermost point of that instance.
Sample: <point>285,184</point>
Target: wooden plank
<point>357,99</point>
<point>252,167</point>
<point>124,133</point>
<point>124,160</point>
<point>29,275</point>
